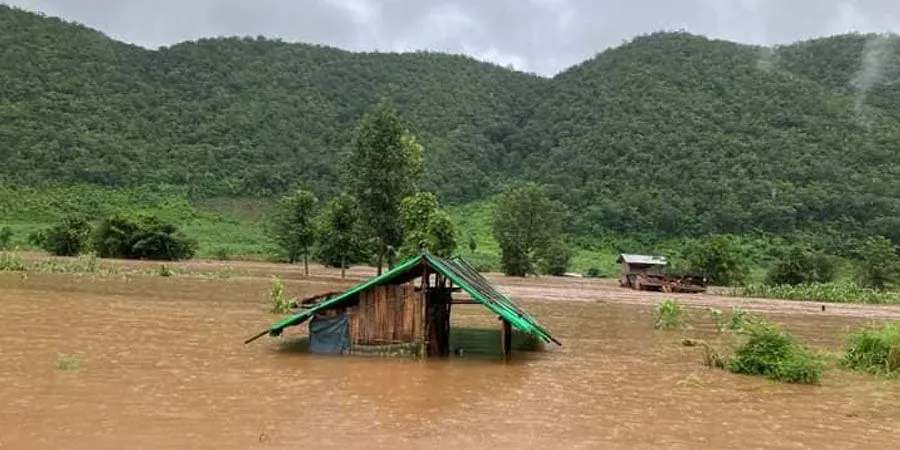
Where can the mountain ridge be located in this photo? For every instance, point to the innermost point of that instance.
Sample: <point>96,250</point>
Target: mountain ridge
<point>671,133</point>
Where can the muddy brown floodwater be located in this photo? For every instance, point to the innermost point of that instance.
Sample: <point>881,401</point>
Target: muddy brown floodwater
<point>163,365</point>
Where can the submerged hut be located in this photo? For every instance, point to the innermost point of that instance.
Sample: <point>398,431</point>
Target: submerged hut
<point>635,266</point>
<point>406,310</point>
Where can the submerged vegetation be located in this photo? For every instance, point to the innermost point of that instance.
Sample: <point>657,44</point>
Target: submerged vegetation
<point>670,314</point>
<point>823,292</point>
<point>280,303</point>
<point>875,350</point>
<point>68,362</point>
<point>765,349</point>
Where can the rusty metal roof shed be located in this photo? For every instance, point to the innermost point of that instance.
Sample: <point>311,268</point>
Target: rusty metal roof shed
<point>628,258</point>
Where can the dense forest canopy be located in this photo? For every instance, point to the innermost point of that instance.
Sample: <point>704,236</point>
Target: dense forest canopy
<point>670,133</point>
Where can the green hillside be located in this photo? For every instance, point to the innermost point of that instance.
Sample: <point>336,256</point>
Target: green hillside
<point>668,135</point>
<point>684,135</point>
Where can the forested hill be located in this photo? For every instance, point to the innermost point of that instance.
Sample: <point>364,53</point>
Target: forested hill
<point>669,133</point>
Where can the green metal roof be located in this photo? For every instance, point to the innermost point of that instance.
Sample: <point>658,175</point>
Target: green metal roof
<point>457,270</point>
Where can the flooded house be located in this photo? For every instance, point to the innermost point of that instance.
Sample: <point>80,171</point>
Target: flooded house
<point>406,311</point>
<point>634,266</point>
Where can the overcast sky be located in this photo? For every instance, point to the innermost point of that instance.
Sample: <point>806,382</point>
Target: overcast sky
<point>543,36</point>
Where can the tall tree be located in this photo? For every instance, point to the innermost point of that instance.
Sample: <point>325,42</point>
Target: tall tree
<point>880,263</point>
<point>340,232</point>
<point>526,222</point>
<point>425,226</point>
<point>291,226</point>
<point>384,162</point>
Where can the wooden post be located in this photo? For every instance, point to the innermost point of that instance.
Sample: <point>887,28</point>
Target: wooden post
<point>505,339</point>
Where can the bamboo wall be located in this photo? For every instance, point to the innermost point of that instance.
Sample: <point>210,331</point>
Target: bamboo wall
<point>387,315</point>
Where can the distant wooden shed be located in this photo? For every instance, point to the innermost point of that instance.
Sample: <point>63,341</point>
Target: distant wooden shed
<point>406,310</point>
<point>634,265</point>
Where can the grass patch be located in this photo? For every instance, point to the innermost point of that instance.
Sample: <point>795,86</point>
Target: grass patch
<point>875,350</point>
<point>11,262</point>
<point>822,292</point>
<point>68,362</point>
<point>767,350</point>
<point>669,315</point>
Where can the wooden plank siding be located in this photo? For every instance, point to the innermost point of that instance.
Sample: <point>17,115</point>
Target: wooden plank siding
<point>388,314</point>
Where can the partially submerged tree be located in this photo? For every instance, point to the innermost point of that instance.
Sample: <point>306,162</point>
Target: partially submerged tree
<point>340,232</point>
<point>67,238</point>
<point>719,260</point>
<point>142,237</point>
<point>880,263</point>
<point>801,266</point>
<point>291,226</point>
<point>384,162</point>
<point>526,222</point>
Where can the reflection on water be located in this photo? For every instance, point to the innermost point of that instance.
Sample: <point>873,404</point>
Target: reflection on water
<point>164,366</point>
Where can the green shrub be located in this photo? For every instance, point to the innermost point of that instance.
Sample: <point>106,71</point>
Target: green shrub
<point>719,260</point>
<point>554,259</point>
<point>144,237</point>
<point>592,272</point>
<point>280,303</point>
<point>6,235</point>
<point>718,318</point>
<point>800,266</point>
<point>875,349</point>
<point>223,254</point>
<point>739,319</point>
<point>771,352</point>
<point>669,314</point>
<point>67,238</point>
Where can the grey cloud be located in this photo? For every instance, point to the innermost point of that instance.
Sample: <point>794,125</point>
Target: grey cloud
<point>543,36</point>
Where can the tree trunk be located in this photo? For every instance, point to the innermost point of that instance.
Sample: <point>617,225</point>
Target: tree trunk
<point>306,264</point>
<point>343,267</point>
<point>380,258</point>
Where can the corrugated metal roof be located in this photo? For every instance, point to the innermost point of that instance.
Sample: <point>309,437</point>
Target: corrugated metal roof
<point>641,259</point>
<point>459,271</point>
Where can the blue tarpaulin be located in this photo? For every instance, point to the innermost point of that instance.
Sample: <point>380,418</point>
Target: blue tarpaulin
<point>329,335</point>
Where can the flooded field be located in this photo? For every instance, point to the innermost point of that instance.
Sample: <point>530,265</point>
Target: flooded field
<point>163,365</point>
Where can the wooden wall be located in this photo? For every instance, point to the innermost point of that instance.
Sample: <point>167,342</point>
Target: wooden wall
<point>388,315</point>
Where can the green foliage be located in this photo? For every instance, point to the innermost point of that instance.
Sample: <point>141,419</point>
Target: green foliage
<point>291,225</point>
<point>68,238</point>
<point>823,292</point>
<point>426,227</point>
<point>384,162</point>
<point>6,238</point>
<point>473,243</point>
<point>142,237</point>
<point>341,233</point>
<point>526,222</point>
<point>280,303</point>
<point>11,262</point>
<point>718,319</point>
<point>740,318</point>
<point>670,314</point>
<point>554,259</point>
<point>592,272</point>
<point>880,263</point>
<point>668,135</point>
<point>719,260</point>
<point>875,349</point>
<point>801,266</point>
<point>773,353</point>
